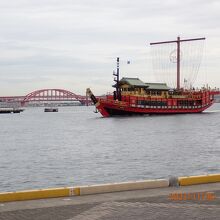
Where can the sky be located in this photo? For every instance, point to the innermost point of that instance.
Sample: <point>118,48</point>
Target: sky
<point>73,44</point>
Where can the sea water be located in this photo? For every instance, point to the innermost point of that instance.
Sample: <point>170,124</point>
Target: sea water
<point>75,146</point>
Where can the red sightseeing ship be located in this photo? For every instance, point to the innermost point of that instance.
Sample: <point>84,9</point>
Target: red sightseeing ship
<point>133,96</point>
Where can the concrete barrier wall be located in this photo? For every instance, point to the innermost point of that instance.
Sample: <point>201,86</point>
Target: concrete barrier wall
<point>116,187</point>
<point>105,188</point>
<point>192,180</point>
<point>81,190</point>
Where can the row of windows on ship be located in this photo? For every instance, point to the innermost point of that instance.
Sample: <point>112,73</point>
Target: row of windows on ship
<point>147,92</point>
<point>153,92</point>
<point>162,103</point>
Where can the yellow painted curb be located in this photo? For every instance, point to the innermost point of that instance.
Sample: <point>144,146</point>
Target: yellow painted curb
<point>192,180</point>
<point>39,194</point>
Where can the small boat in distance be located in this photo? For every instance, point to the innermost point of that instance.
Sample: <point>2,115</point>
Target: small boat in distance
<point>10,110</point>
<point>51,110</point>
<point>133,96</point>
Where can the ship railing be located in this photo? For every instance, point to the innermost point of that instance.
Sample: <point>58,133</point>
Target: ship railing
<point>215,91</point>
<point>109,93</point>
<point>112,101</point>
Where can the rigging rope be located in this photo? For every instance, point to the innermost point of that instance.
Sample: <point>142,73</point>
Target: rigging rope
<point>164,62</point>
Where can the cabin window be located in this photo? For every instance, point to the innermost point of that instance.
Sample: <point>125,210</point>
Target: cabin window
<point>130,89</point>
<point>155,93</point>
<point>158,92</point>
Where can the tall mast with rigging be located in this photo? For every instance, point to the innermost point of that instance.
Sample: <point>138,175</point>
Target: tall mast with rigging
<point>118,92</point>
<point>178,58</point>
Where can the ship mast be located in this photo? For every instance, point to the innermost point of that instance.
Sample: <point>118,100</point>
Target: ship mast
<point>178,41</point>
<point>118,92</point>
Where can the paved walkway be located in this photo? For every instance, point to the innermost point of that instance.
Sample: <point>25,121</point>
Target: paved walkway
<point>191,202</point>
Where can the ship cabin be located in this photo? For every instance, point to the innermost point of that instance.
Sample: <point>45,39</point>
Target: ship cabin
<point>136,87</point>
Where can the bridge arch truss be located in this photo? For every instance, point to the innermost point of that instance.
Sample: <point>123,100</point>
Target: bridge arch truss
<point>47,95</point>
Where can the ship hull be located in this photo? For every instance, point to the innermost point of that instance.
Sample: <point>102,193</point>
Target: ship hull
<point>114,109</point>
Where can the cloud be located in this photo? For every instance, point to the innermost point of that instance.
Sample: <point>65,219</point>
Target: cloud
<point>78,40</point>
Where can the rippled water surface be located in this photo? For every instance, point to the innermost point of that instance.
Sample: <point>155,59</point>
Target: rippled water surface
<point>77,147</point>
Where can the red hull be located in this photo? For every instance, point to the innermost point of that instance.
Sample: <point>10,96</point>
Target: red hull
<point>183,103</point>
<point>111,107</point>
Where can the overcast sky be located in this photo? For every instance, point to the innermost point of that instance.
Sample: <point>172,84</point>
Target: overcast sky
<point>73,44</point>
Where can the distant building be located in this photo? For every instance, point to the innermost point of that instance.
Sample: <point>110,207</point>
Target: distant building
<point>217,98</point>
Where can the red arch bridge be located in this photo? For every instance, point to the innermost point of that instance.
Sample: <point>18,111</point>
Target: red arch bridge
<point>47,95</point>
